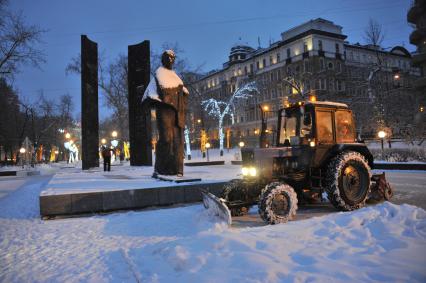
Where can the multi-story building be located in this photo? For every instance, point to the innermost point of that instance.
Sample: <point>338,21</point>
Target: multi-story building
<point>417,16</point>
<point>316,55</point>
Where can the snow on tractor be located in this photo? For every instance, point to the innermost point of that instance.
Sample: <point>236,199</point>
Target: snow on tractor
<point>316,150</point>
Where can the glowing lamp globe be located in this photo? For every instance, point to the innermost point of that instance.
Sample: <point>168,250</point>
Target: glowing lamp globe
<point>381,134</point>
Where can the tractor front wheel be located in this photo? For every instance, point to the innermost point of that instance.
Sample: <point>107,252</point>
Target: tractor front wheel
<point>236,191</point>
<point>277,203</point>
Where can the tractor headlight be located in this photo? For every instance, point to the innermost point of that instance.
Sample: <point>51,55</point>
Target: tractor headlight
<point>249,171</point>
<point>253,172</point>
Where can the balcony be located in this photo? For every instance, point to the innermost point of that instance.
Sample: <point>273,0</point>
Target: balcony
<point>419,59</point>
<point>417,36</point>
<point>305,55</point>
<point>416,10</point>
<point>420,83</point>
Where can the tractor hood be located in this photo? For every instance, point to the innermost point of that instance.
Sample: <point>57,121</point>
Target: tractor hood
<point>264,159</point>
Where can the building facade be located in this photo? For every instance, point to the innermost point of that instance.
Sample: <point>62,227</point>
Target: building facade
<point>417,17</point>
<point>316,55</point>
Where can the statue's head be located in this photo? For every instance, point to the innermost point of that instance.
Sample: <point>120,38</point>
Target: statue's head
<point>168,58</point>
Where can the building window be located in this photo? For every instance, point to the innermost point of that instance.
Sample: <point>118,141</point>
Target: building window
<point>239,72</point>
<point>330,65</point>
<point>331,81</point>
<point>339,67</point>
<point>320,45</point>
<point>288,52</point>
<point>274,94</point>
<point>322,84</point>
<point>278,57</point>
<point>258,65</point>
<point>245,70</point>
<point>271,60</point>
<point>305,47</point>
<point>337,48</point>
<point>305,66</point>
<point>272,76</point>
<point>264,63</point>
<point>289,71</point>
<point>251,68</point>
<point>278,74</point>
<point>322,64</point>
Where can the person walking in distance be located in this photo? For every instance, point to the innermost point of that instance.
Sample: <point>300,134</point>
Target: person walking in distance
<point>106,155</point>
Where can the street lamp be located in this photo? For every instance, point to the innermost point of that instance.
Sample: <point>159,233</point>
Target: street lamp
<point>67,135</point>
<point>241,144</point>
<point>22,150</point>
<point>199,121</point>
<point>103,141</point>
<point>114,134</point>
<point>263,139</point>
<point>207,149</point>
<point>382,135</point>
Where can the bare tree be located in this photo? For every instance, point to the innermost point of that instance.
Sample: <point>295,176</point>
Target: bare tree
<point>373,33</point>
<point>17,42</point>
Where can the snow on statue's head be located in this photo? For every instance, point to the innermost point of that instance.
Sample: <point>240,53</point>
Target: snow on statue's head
<point>168,58</point>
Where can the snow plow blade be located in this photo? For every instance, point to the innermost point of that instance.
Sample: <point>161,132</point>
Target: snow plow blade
<point>216,207</point>
<point>380,188</point>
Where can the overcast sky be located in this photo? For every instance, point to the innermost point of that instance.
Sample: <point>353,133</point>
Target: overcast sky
<point>206,30</point>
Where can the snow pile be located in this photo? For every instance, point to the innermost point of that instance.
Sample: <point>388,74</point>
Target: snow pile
<point>386,242</point>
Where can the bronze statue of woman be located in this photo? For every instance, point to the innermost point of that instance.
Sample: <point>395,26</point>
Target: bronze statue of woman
<point>169,97</point>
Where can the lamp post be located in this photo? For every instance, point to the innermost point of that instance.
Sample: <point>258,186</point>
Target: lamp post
<point>207,149</point>
<point>382,135</point>
<point>241,144</point>
<point>263,139</point>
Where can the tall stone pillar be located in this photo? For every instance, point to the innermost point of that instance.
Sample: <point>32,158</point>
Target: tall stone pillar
<point>89,103</point>
<point>140,131</point>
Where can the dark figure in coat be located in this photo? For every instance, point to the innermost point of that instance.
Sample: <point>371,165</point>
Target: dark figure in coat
<point>106,155</point>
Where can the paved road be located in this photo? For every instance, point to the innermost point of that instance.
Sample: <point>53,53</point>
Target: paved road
<point>409,187</point>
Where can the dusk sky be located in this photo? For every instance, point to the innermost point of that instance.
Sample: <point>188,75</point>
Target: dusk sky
<point>205,30</point>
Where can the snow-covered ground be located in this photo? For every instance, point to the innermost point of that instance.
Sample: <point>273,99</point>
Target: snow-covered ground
<point>126,177</point>
<point>386,242</point>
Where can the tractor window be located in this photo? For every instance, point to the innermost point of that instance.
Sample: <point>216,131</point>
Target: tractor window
<point>288,129</point>
<point>344,127</point>
<point>324,127</point>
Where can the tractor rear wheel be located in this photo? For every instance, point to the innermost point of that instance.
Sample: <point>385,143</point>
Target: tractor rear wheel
<point>277,203</point>
<point>348,181</point>
<point>236,191</point>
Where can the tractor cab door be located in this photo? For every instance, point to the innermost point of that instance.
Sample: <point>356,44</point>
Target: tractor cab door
<point>325,133</point>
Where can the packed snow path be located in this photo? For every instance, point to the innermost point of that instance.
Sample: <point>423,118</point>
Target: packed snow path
<point>386,242</point>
